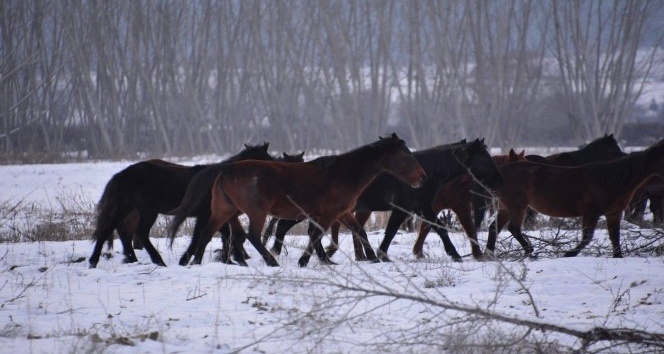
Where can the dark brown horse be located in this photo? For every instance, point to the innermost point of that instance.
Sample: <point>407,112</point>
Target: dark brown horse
<point>135,196</point>
<point>300,190</point>
<point>589,191</point>
<point>459,195</point>
<point>442,164</point>
<point>602,149</point>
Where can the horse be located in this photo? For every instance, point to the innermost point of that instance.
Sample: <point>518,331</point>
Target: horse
<point>605,148</point>
<point>589,191</point>
<point>133,198</point>
<point>196,202</point>
<point>459,195</point>
<point>442,164</point>
<point>361,217</point>
<point>294,191</point>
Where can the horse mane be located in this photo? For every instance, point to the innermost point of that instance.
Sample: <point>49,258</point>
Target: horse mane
<point>365,152</point>
<point>440,160</point>
<point>617,172</point>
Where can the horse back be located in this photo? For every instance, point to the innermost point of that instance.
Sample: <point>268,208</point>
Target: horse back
<point>284,189</point>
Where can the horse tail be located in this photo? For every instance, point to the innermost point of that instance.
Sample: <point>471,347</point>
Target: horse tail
<point>195,198</point>
<point>108,211</point>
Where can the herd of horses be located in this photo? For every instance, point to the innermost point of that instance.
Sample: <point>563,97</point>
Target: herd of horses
<point>596,180</point>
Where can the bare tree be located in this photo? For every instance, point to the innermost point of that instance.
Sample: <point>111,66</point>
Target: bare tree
<point>597,52</point>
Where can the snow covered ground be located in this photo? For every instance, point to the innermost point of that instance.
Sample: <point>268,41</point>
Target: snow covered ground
<point>50,302</point>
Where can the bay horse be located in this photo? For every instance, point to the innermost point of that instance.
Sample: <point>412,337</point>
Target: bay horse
<point>459,195</point>
<point>361,217</point>
<point>294,191</point>
<point>135,196</point>
<point>589,191</point>
<point>442,164</point>
<point>196,202</point>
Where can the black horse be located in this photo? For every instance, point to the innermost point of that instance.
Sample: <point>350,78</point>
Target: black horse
<point>135,196</point>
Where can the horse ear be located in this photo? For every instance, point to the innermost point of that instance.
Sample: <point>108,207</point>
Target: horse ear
<point>512,154</point>
<point>523,153</point>
<point>266,145</point>
<point>394,136</point>
<point>301,154</point>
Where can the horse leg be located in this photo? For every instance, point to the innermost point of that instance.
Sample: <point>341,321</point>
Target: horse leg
<point>213,223</point>
<point>201,221</point>
<point>516,218</point>
<point>145,223</point>
<point>126,232</point>
<point>315,234</point>
<point>226,240</point>
<point>430,216</point>
<point>359,235</point>
<point>480,203</point>
<point>359,245</point>
<point>256,223</point>
<point>502,217</point>
<point>588,228</point>
<point>396,218</point>
<point>657,209</point>
<point>283,226</point>
<point>236,239</point>
<point>269,230</point>
<point>613,226</point>
<point>104,230</point>
<point>464,215</point>
<point>421,237</point>
<point>333,247</point>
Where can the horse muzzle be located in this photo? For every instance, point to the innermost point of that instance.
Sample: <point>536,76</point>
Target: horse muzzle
<point>420,180</point>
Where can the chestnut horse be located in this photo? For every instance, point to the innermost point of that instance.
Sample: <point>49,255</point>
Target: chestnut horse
<point>322,194</point>
<point>589,191</point>
<point>135,196</point>
<point>459,195</point>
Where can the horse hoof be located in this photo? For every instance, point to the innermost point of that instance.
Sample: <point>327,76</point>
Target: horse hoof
<point>302,262</point>
<point>570,254</point>
<point>161,264</point>
<point>361,259</point>
<point>382,258</point>
<point>533,257</point>
<point>92,266</point>
<point>457,259</point>
<point>619,255</point>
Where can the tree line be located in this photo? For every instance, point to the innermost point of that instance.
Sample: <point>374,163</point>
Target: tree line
<point>117,78</point>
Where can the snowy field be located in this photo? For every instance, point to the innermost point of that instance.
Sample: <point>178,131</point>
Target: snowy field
<point>50,302</point>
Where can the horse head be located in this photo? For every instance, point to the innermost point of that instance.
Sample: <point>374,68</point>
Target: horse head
<point>401,162</point>
<point>603,149</point>
<point>254,152</point>
<point>477,159</point>
<point>292,158</point>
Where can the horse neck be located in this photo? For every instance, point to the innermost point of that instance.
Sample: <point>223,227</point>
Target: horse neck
<point>357,169</point>
<point>439,164</point>
<point>629,172</point>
